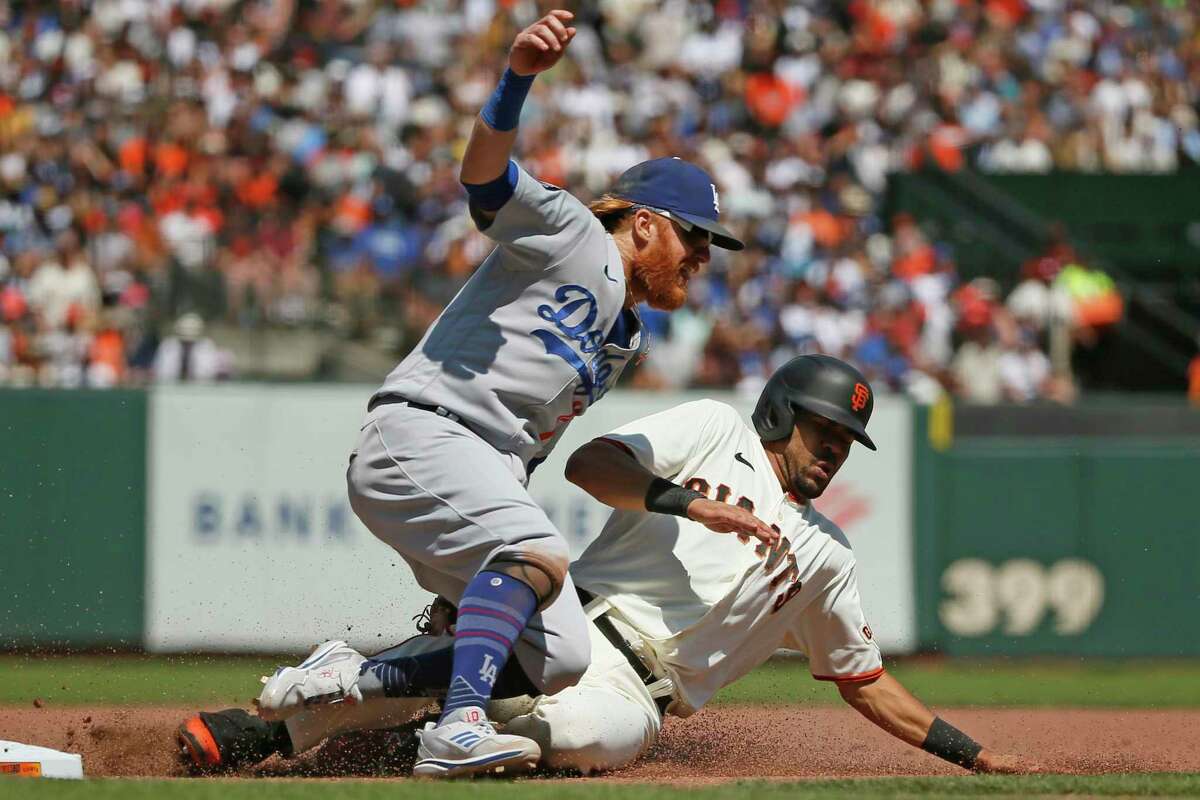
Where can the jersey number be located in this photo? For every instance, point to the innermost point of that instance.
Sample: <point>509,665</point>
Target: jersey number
<point>781,553</point>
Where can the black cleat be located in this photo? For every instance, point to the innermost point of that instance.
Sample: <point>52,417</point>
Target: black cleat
<point>223,741</point>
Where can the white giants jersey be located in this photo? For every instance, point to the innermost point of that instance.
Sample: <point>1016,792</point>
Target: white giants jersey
<point>712,606</point>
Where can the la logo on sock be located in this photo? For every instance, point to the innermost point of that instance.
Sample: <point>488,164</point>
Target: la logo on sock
<point>487,673</point>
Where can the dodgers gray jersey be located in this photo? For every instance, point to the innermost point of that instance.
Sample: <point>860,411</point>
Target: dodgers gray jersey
<point>529,342</point>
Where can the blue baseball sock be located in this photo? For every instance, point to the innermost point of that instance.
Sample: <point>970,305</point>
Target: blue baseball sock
<point>428,674</point>
<point>491,615</point>
<point>407,676</point>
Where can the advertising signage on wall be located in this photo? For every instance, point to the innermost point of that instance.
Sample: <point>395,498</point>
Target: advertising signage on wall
<point>1080,545</point>
<point>251,542</point>
<point>289,516</point>
<point>252,545</point>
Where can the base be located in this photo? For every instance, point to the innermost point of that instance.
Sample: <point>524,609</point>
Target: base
<point>27,760</point>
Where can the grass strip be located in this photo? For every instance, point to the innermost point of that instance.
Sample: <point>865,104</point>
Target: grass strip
<point>1124,785</point>
<point>206,680</point>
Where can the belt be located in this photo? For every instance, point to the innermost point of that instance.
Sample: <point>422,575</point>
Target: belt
<point>661,689</point>
<point>386,399</point>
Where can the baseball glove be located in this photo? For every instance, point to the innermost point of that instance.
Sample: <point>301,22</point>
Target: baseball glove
<point>437,618</point>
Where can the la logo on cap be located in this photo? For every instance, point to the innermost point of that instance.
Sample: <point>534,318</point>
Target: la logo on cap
<point>716,199</point>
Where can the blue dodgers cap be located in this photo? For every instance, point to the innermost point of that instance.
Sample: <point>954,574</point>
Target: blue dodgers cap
<point>680,187</point>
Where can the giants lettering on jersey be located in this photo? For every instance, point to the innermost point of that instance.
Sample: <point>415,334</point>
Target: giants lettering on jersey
<point>773,556</point>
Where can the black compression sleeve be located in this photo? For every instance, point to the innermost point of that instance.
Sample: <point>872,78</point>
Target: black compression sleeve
<point>948,742</point>
<point>664,497</point>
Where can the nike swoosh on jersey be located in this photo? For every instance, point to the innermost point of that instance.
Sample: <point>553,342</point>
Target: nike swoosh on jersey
<point>739,457</point>
<point>610,277</point>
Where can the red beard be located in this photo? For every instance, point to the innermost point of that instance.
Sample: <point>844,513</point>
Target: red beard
<point>657,279</point>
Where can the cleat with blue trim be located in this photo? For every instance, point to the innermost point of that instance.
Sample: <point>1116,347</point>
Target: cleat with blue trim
<point>467,744</point>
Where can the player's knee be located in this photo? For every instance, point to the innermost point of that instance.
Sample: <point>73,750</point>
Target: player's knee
<point>571,661</point>
<point>357,484</point>
<point>593,757</point>
<point>558,681</point>
<point>588,729</point>
<point>567,661</point>
<point>587,748</point>
<point>584,754</point>
<point>541,566</point>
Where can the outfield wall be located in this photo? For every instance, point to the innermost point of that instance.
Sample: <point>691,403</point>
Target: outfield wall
<point>215,518</point>
<point>72,517</point>
<point>252,545</point>
<point>1046,544</point>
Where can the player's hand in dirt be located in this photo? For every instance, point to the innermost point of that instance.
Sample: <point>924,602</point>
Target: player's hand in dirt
<point>540,46</point>
<point>724,518</point>
<point>1003,764</point>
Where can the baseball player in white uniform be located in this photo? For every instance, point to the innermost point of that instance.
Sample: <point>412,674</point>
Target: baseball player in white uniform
<point>543,329</point>
<point>677,612</point>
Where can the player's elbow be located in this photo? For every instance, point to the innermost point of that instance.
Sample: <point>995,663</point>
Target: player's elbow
<point>576,471</point>
<point>853,693</point>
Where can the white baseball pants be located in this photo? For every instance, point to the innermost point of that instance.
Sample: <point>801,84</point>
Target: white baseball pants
<point>604,722</point>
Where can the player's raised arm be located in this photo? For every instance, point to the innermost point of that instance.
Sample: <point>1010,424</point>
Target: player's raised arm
<point>485,166</point>
<point>614,477</point>
<point>886,702</point>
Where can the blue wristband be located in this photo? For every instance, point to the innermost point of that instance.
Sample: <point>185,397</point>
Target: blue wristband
<point>503,109</point>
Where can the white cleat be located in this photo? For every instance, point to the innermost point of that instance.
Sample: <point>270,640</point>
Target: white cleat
<point>329,675</point>
<point>467,744</point>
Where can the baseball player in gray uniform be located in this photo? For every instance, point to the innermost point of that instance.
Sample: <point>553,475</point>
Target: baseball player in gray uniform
<point>543,329</point>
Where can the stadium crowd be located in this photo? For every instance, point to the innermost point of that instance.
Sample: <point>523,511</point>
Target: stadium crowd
<point>293,163</point>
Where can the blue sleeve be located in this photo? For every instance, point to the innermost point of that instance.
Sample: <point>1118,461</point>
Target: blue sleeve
<point>491,196</point>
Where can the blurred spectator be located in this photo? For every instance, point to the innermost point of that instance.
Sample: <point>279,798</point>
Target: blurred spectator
<point>1024,370</point>
<point>1094,297</point>
<point>295,164</point>
<point>107,364</point>
<point>976,366</point>
<point>1044,306</point>
<point>188,355</point>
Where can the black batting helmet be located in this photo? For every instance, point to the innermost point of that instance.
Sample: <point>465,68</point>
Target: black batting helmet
<point>823,385</point>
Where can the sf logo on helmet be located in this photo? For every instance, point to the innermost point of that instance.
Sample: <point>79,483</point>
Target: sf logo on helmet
<point>858,400</point>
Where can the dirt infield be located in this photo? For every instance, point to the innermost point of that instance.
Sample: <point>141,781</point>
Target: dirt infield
<point>719,743</point>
